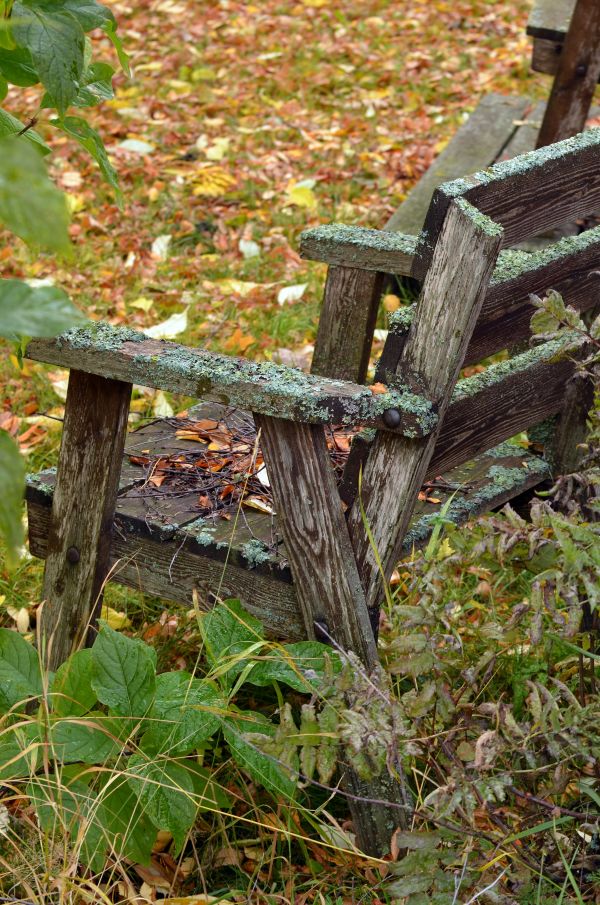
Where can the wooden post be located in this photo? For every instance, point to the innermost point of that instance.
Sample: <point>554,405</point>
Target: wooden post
<point>575,82</point>
<point>311,520</point>
<point>347,322</point>
<point>83,509</point>
<point>455,285</point>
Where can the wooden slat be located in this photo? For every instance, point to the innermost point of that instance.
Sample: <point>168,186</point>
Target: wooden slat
<point>550,19</point>
<point>576,78</point>
<point>526,195</point>
<point>570,266</point>
<point>312,523</point>
<point>121,354</point>
<point>462,264</point>
<point>500,402</point>
<point>571,429</point>
<point>348,316</point>
<point>82,511</point>
<point>475,146</point>
<point>545,55</point>
<point>357,247</point>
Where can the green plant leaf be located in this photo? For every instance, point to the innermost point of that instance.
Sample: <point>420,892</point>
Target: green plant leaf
<point>10,125</point>
<point>56,41</point>
<point>96,86</point>
<point>264,769</point>
<point>20,674</point>
<point>184,714</point>
<point>110,29</point>
<point>302,666</point>
<point>20,751</point>
<point>30,204</point>
<point>209,796</point>
<point>17,67</point>
<point>12,488</point>
<point>123,673</point>
<point>166,792</point>
<point>72,692</point>
<point>39,311</point>
<point>229,632</point>
<point>89,139</point>
<point>126,828</point>
<point>90,14</point>
<point>3,87</point>
<point>83,739</point>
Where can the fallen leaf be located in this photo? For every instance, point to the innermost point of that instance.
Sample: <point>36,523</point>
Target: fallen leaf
<point>173,326</point>
<point>254,502</point>
<point>378,388</point>
<point>291,293</point>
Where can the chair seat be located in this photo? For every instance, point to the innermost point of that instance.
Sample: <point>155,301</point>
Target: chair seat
<point>166,541</point>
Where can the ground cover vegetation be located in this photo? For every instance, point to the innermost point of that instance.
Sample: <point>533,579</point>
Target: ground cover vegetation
<point>184,757</point>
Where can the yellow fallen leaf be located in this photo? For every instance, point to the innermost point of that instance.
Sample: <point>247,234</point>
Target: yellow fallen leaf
<point>143,303</point>
<point>301,196</point>
<point>212,182</point>
<point>115,620</point>
<point>254,502</point>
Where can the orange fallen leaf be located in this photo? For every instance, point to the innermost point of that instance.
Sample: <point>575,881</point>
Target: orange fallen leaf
<point>378,388</point>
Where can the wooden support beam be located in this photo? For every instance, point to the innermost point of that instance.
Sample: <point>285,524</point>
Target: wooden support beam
<point>330,596</point>
<point>345,332</point>
<point>357,247</point>
<point>462,264</point>
<point>576,78</point>
<point>271,389</point>
<point>83,509</point>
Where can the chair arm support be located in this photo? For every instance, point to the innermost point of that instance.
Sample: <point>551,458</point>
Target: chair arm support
<point>119,353</point>
<point>355,246</point>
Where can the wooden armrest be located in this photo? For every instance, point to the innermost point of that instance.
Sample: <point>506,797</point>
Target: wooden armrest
<point>355,246</point>
<point>119,353</point>
<point>549,19</point>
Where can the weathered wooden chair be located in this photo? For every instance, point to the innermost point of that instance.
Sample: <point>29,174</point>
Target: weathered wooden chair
<point>325,578</point>
<point>501,127</point>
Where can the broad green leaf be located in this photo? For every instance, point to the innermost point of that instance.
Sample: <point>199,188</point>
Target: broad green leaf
<point>10,125</point>
<point>66,807</point>
<point>20,675</point>
<point>20,752</point>
<point>96,86</point>
<point>123,673</point>
<point>55,39</point>
<point>89,13</point>
<point>39,311</point>
<point>89,139</point>
<point>30,204</point>
<point>83,739</point>
<point>72,692</point>
<point>17,67</point>
<point>264,769</point>
<point>12,488</point>
<point>3,87</point>
<point>126,828</point>
<point>184,714</point>
<point>301,666</point>
<point>166,792</point>
<point>228,632</point>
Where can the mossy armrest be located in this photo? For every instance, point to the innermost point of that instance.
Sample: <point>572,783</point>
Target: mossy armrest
<point>119,353</point>
<point>355,246</point>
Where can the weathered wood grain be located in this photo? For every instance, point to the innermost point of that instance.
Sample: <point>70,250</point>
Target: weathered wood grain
<point>176,567</point>
<point>83,509</point>
<point>565,453</point>
<point>500,402</point>
<point>122,354</point>
<point>576,77</point>
<point>355,246</point>
<point>545,55</point>
<point>348,315</point>
<point>475,146</point>
<point>526,195</point>
<point>462,265</point>
<point>330,596</point>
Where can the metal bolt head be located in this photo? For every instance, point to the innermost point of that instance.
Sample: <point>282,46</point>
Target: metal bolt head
<point>581,70</point>
<point>392,418</point>
<point>73,555</point>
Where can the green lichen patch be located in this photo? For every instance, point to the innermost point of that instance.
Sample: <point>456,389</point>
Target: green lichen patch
<point>202,531</point>
<point>524,163</point>
<point>549,352</point>
<point>99,336</point>
<point>399,321</point>
<point>480,220</point>
<point>43,481</point>
<point>357,237</point>
<point>513,263</point>
<point>257,553</point>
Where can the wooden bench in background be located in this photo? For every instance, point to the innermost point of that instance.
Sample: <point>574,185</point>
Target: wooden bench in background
<point>319,576</point>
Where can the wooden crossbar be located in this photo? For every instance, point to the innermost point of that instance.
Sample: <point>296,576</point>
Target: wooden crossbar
<point>265,388</point>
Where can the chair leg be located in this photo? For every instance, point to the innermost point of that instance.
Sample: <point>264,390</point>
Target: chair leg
<point>312,522</point>
<point>83,510</point>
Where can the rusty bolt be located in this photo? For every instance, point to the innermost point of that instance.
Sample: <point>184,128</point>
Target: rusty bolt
<point>73,555</point>
<point>581,70</point>
<point>322,631</point>
<point>392,418</point>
